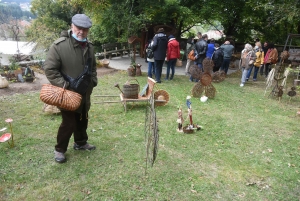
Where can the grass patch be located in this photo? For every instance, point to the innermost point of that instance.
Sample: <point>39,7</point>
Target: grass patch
<point>248,148</point>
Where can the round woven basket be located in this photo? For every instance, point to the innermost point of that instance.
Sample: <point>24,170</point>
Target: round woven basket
<point>195,72</point>
<point>105,62</point>
<point>206,79</point>
<point>208,65</point>
<point>210,91</point>
<point>216,77</point>
<point>161,95</point>
<point>197,90</point>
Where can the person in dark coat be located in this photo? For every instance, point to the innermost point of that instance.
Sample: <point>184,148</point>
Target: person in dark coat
<point>200,53</point>
<point>217,57</point>
<point>159,47</point>
<point>70,55</point>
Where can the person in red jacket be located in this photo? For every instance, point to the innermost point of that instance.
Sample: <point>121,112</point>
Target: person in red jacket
<point>173,53</point>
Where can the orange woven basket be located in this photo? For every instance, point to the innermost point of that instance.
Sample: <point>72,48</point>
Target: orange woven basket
<point>60,97</point>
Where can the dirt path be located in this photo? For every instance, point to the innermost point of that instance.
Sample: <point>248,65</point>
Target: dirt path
<point>41,79</point>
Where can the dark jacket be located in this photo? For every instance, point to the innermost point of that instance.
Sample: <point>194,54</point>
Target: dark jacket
<point>200,50</point>
<point>67,56</point>
<point>217,57</point>
<point>159,47</point>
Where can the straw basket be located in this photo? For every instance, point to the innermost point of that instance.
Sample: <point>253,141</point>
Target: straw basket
<point>105,62</point>
<point>206,79</point>
<point>131,90</point>
<point>197,90</point>
<point>161,95</point>
<point>3,82</point>
<point>187,131</point>
<point>195,72</point>
<point>50,109</point>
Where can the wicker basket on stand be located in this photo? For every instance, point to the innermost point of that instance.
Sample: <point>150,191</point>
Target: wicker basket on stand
<point>130,90</point>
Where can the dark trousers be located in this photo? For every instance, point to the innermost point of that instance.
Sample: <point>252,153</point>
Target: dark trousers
<point>72,122</point>
<point>158,69</point>
<point>171,65</point>
<point>225,65</point>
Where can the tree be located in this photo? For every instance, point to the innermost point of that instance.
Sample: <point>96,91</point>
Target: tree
<point>52,18</point>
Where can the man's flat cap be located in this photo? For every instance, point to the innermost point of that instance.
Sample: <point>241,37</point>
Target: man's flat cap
<point>81,20</point>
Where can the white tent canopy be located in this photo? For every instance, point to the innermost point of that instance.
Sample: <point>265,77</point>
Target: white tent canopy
<point>11,47</point>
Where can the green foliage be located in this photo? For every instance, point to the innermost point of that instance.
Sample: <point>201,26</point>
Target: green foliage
<point>12,10</point>
<point>53,17</point>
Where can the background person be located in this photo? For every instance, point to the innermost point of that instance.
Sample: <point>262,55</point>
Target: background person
<point>228,51</point>
<point>189,46</point>
<point>259,62</point>
<point>200,53</point>
<point>150,61</point>
<point>210,48</point>
<point>271,57</point>
<point>173,53</point>
<point>159,47</point>
<point>217,58</point>
<point>265,49</point>
<point>248,58</point>
<point>69,55</point>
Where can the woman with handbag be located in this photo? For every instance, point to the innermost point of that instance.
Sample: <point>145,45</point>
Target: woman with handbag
<point>248,58</point>
<point>69,57</point>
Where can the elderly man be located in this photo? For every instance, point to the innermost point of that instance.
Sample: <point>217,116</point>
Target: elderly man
<point>70,56</point>
<point>228,51</point>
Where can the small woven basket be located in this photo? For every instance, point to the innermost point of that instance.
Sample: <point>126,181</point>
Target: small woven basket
<point>187,131</point>
<point>216,77</point>
<point>210,91</point>
<point>161,95</point>
<point>197,90</point>
<point>105,62</point>
<point>208,65</point>
<point>206,79</point>
<point>131,91</point>
<point>195,72</point>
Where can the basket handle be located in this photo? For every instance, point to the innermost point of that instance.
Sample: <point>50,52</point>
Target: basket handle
<point>62,94</point>
<point>128,81</point>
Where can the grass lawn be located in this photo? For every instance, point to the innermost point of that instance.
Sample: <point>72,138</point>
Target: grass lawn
<point>248,148</point>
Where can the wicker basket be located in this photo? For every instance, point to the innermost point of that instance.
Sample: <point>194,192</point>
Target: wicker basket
<point>210,91</point>
<point>161,95</point>
<point>197,90</point>
<point>216,77</point>
<point>206,79</point>
<point>131,91</point>
<point>195,72</point>
<point>208,65</point>
<point>105,62</point>
<point>50,109</point>
<point>60,97</point>
<point>187,131</point>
